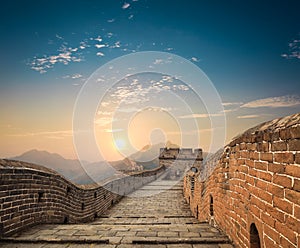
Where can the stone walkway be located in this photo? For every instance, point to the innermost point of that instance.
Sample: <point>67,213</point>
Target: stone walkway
<point>162,220</point>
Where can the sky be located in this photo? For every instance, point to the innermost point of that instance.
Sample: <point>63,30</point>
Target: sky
<point>50,51</point>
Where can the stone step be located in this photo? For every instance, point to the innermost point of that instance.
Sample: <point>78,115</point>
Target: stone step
<point>162,220</point>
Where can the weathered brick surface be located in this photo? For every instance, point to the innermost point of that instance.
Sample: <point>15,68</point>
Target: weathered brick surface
<point>255,180</point>
<point>31,194</point>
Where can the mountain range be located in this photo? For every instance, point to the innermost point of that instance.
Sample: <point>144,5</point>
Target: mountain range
<point>71,169</point>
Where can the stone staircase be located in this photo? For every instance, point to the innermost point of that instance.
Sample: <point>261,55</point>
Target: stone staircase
<point>155,215</point>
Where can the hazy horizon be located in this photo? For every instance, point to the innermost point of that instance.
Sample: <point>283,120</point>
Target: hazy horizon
<point>249,54</point>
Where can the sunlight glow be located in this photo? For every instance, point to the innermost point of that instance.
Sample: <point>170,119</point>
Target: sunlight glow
<point>120,144</point>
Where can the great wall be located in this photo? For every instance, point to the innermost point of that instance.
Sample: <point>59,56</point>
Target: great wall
<point>247,194</point>
<point>252,192</point>
<point>31,194</point>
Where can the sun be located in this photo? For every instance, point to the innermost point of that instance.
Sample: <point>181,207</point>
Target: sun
<point>120,144</point>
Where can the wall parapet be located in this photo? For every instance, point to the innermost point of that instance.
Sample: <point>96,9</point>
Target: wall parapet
<point>181,154</point>
<point>252,190</point>
<point>32,194</point>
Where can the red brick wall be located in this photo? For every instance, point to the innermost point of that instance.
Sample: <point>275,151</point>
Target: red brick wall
<point>256,180</point>
<point>31,194</point>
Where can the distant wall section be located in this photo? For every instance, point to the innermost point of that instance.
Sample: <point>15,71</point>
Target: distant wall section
<point>177,161</point>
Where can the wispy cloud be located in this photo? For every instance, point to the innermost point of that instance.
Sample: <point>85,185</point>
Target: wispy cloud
<point>59,37</point>
<point>52,134</point>
<point>231,106</point>
<point>103,121</point>
<point>98,38</point>
<point>193,116</point>
<point>191,132</point>
<point>100,54</point>
<point>158,61</point>
<point>274,102</point>
<point>117,44</point>
<point>248,116</point>
<point>231,103</point>
<point>125,5</point>
<point>113,130</point>
<point>293,49</point>
<point>74,76</point>
<point>99,46</point>
<point>64,56</point>
<point>194,59</point>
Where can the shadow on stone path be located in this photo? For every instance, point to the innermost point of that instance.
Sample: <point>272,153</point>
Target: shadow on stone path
<point>161,220</point>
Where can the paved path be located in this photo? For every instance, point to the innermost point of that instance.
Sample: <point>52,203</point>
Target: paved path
<point>162,220</point>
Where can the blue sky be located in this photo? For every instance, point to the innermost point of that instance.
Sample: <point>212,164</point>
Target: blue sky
<point>250,50</point>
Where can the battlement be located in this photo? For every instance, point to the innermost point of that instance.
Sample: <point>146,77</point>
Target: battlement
<point>181,153</point>
<point>251,188</point>
<point>32,194</point>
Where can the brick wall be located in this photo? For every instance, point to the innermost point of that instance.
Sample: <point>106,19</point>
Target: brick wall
<point>253,192</point>
<point>31,194</point>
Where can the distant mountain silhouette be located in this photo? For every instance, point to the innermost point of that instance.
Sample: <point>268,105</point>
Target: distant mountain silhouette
<point>150,152</point>
<point>68,167</point>
<point>72,170</point>
<point>146,158</point>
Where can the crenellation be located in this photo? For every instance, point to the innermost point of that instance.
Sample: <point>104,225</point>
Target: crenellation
<point>249,188</point>
<point>31,194</point>
<point>179,160</point>
<point>181,153</point>
<point>263,186</point>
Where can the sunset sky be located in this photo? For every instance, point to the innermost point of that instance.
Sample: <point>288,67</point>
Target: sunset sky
<point>50,50</point>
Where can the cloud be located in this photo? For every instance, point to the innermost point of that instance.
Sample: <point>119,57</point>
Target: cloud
<point>59,37</point>
<point>194,59</point>
<point>103,121</point>
<point>74,76</point>
<point>192,132</point>
<point>230,110</point>
<point>193,116</point>
<point>128,109</point>
<point>52,134</point>
<point>158,62</point>
<point>109,34</point>
<point>100,45</point>
<point>161,61</point>
<point>231,103</point>
<point>274,102</point>
<point>231,106</point>
<point>39,69</point>
<point>64,56</point>
<point>248,116</point>
<point>117,44</point>
<point>125,5</point>
<point>100,54</point>
<point>83,45</point>
<point>293,49</point>
<point>168,79</point>
<point>117,130</point>
<point>180,87</point>
<point>98,38</point>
